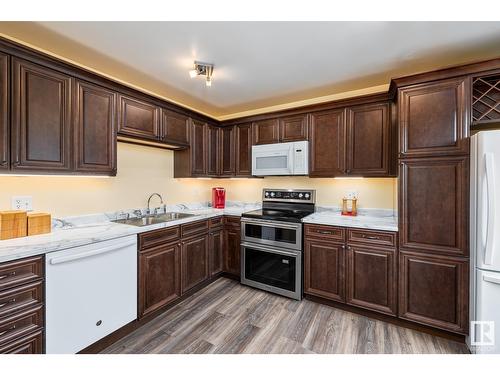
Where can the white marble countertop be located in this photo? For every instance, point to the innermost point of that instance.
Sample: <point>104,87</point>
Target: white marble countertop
<point>367,219</point>
<point>88,229</point>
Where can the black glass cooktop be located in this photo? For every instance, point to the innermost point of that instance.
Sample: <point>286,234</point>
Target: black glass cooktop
<point>294,216</point>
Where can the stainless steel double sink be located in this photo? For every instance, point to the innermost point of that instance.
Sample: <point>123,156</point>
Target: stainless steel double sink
<point>153,219</point>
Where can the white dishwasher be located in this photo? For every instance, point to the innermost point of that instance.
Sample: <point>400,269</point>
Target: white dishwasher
<point>91,291</point>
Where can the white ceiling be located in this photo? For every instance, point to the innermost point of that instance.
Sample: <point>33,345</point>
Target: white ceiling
<point>268,63</point>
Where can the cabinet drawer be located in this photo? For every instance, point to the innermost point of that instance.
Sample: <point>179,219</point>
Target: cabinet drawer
<point>20,271</point>
<point>21,297</point>
<point>215,222</point>
<point>372,237</point>
<point>232,220</point>
<point>158,237</point>
<point>194,228</point>
<point>21,324</point>
<point>326,232</point>
<point>30,344</point>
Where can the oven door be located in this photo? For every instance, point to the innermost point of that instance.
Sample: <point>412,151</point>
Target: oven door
<point>273,233</point>
<point>272,160</point>
<point>275,270</point>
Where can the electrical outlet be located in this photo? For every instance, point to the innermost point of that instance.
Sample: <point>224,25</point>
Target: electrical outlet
<point>22,202</point>
<point>351,194</point>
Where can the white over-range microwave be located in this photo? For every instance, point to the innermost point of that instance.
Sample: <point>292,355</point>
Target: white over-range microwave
<point>279,159</point>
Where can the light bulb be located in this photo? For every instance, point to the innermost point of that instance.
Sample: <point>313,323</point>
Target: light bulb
<point>208,82</point>
<point>193,73</point>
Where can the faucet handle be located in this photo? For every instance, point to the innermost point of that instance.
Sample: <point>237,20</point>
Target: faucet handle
<point>138,213</point>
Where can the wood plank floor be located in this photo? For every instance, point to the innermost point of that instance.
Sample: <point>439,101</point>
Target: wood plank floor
<point>227,317</point>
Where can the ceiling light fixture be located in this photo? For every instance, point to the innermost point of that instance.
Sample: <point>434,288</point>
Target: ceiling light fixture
<point>202,69</point>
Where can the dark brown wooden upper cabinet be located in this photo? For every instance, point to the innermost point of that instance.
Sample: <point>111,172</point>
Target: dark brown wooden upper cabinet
<point>433,205</point>
<point>212,147</point>
<point>243,150</point>
<point>138,119</point>
<point>433,118</point>
<point>174,128</point>
<point>198,148</point>
<point>434,290</point>
<point>293,128</point>
<point>265,131</point>
<point>327,144</point>
<point>4,112</point>
<point>368,140</point>
<point>95,115</point>
<point>41,118</point>
<point>227,151</point>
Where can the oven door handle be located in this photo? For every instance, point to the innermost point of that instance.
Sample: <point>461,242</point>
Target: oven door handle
<point>272,224</point>
<point>271,249</point>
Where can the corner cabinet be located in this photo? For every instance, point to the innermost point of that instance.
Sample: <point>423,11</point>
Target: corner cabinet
<point>41,118</point>
<point>95,129</point>
<point>4,112</point>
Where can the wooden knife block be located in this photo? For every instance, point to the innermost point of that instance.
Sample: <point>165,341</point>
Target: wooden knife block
<point>13,224</point>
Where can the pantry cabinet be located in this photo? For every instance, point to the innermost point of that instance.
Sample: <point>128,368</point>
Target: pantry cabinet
<point>434,290</point>
<point>41,118</point>
<point>4,112</point>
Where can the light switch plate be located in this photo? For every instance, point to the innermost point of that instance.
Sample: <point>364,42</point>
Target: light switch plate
<point>22,202</point>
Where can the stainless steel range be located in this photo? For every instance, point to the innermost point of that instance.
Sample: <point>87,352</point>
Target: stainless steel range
<point>271,248</point>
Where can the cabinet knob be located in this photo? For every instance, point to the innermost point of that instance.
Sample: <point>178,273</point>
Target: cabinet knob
<point>4,162</point>
<point>98,323</point>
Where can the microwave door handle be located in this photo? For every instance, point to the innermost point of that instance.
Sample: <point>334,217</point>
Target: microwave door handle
<point>490,199</point>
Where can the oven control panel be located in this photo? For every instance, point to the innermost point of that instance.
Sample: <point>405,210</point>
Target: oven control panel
<point>289,195</point>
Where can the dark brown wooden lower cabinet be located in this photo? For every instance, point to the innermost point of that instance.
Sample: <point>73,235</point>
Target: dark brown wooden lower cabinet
<point>434,290</point>
<point>30,344</point>
<point>215,247</point>
<point>324,267</point>
<point>372,278</point>
<point>232,251</point>
<point>194,260</point>
<point>159,277</point>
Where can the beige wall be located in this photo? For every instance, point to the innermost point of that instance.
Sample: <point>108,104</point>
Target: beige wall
<point>144,170</point>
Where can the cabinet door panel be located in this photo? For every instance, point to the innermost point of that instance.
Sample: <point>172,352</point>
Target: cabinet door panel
<point>324,265</point>
<point>215,252</point>
<point>371,278</point>
<point>232,250</point>
<point>95,129</point>
<point>265,131</point>
<point>433,118</point>
<point>243,150</point>
<point>327,145</point>
<point>4,112</point>
<point>175,128</point>
<point>434,205</point>
<point>139,119</point>
<point>293,128</point>
<point>434,291</point>
<point>368,140</point>
<point>41,118</point>
<point>212,151</point>
<point>198,148</point>
<point>227,151</point>
<point>159,277</point>
<point>194,257</point>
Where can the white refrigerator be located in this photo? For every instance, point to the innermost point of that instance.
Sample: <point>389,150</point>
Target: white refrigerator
<point>484,334</point>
